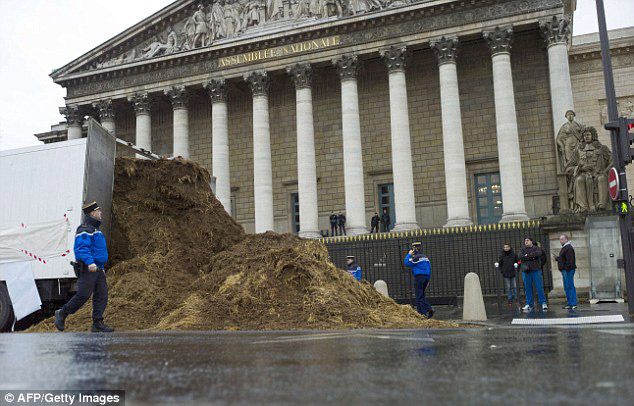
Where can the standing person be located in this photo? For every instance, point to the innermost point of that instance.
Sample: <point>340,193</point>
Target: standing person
<point>375,222</point>
<point>333,224</point>
<point>91,254</point>
<point>507,262</point>
<point>342,223</point>
<point>385,219</point>
<point>353,268</point>
<point>566,262</point>
<point>421,269</point>
<point>531,264</point>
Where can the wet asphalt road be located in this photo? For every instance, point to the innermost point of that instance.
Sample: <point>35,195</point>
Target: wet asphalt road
<point>497,365</point>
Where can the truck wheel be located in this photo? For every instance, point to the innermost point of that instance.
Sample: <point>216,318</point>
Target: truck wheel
<point>6,311</point>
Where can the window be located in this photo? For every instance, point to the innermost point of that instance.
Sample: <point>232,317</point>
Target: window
<point>295,212</point>
<point>488,194</point>
<point>386,201</point>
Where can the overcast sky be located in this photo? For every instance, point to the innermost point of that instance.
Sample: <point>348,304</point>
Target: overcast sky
<point>38,36</point>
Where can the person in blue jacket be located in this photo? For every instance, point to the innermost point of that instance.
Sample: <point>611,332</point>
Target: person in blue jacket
<point>353,268</point>
<point>91,254</point>
<point>421,268</point>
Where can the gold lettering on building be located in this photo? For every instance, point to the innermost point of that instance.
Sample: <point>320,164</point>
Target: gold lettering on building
<point>283,50</point>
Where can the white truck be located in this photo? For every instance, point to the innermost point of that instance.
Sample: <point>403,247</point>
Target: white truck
<point>44,183</point>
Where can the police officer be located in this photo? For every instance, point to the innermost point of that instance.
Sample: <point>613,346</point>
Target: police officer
<point>91,254</point>
<point>341,218</point>
<point>333,224</point>
<point>375,223</point>
<point>353,268</point>
<point>421,268</point>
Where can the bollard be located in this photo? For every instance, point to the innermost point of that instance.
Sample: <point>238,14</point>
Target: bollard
<point>381,287</point>
<point>473,306</point>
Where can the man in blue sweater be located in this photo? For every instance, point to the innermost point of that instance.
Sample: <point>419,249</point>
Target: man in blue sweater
<point>91,254</point>
<point>421,268</point>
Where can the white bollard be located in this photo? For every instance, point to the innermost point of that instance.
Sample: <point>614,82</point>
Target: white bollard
<point>381,287</point>
<point>473,306</point>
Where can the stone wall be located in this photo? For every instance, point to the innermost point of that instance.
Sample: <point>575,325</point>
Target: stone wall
<point>530,75</point>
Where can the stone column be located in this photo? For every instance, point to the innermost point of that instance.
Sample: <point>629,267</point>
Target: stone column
<point>306,163</point>
<point>217,90</point>
<point>262,167</point>
<point>106,114</point>
<point>446,49</point>
<point>556,31</point>
<point>403,175</point>
<point>142,105</point>
<point>179,96</point>
<point>74,121</point>
<point>354,189</point>
<point>509,159</point>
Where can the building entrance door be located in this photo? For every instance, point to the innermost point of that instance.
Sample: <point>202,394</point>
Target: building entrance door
<point>488,193</point>
<point>295,212</point>
<point>386,201</point>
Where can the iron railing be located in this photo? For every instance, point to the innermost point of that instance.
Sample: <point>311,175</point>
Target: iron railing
<point>453,252</point>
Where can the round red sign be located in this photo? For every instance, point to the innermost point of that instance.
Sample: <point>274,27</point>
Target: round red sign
<point>613,183</point>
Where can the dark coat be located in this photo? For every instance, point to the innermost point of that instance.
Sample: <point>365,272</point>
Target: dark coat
<point>507,263</point>
<point>531,256</point>
<point>566,260</point>
<point>333,219</point>
<point>342,220</point>
<point>385,219</point>
<point>375,220</point>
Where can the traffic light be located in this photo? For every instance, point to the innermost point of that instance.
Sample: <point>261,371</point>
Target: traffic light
<point>625,130</point>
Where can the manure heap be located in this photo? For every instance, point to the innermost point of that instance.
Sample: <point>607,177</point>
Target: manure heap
<point>180,262</point>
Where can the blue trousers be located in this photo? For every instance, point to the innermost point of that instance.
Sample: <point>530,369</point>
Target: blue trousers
<point>569,287</point>
<point>533,277</point>
<point>90,283</point>
<point>420,284</point>
<point>511,287</point>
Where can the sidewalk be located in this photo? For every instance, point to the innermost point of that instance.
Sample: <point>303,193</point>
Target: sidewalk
<point>511,311</point>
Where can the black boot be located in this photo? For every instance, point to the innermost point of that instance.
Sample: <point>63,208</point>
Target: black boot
<point>430,314</point>
<point>98,326</point>
<point>60,318</point>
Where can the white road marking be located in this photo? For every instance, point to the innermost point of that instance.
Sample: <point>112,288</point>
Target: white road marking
<point>330,336</point>
<point>569,320</point>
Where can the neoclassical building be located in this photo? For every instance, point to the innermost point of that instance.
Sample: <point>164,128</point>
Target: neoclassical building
<point>443,112</point>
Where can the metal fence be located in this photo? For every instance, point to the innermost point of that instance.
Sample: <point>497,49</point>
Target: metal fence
<point>453,252</point>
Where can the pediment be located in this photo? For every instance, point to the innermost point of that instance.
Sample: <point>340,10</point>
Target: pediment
<point>186,25</point>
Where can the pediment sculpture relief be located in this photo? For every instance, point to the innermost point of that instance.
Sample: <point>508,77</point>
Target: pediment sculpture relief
<point>229,18</point>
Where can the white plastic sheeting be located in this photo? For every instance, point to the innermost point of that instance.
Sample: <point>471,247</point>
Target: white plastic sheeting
<point>22,289</point>
<point>34,242</point>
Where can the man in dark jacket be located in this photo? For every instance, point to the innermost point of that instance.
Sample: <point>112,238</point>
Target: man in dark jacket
<point>507,263</point>
<point>342,224</point>
<point>375,223</point>
<point>421,269</point>
<point>91,254</point>
<point>566,263</point>
<point>531,266</point>
<point>385,220</point>
<point>353,268</point>
<point>333,224</point>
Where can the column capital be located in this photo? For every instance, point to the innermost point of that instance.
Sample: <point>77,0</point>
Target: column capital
<point>347,66</point>
<point>499,40</point>
<point>555,30</point>
<point>259,82</point>
<point>105,109</point>
<point>71,112</point>
<point>141,102</point>
<point>446,49</point>
<point>178,95</point>
<point>217,90</point>
<point>301,74</point>
<point>395,58</point>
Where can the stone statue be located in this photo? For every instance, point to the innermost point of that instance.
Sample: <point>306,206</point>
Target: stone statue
<point>251,14</point>
<point>300,8</point>
<point>274,9</point>
<point>588,171</point>
<point>568,139</point>
<point>364,6</point>
<point>331,8</point>
<point>233,23</point>
<point>217,20</point>
<point>196,29</point>
<point>157,47</point>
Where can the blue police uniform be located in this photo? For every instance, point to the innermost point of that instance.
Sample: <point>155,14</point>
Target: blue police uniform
<point>354,270</point>
<point>421,269</point>
<point>90,248</point>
